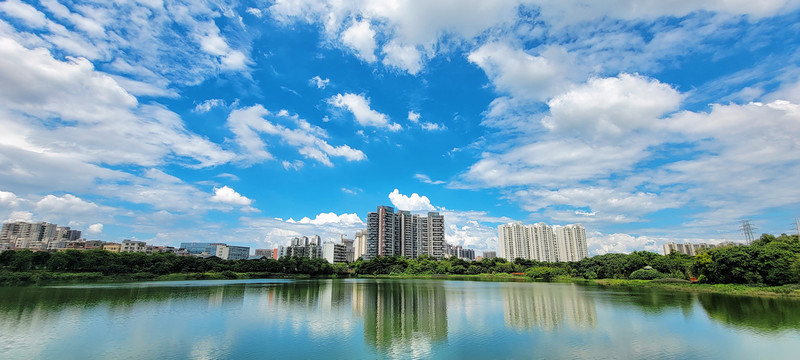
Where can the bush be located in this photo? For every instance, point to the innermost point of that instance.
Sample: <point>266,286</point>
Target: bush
<point>646,274</point>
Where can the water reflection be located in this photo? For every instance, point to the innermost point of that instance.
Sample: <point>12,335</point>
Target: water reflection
<point>371,318</point>
<point>547,306</point>
<point>406,317</point>
<point>760,314</point>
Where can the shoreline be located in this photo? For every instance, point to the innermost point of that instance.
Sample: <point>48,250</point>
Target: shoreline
<point>48,278</point>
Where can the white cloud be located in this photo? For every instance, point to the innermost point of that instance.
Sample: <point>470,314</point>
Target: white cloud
<point>600,244</point>
<point>248,123</point>
<point>209,104</point>
<point>227,195</point>
<point>255,12</point>
<point>358,105</point>
<point>95,229</point>
<point>332,218</point>
<point>20,216</point>
<point>294,165</point>
<point>522,75</point>
<point>32,17</point>
<point>405,57</point>
<point>611,108</point>
<point>415,202</point>
<point>8,199</point>
<point>353,191</point>
<point>407,29</point>
<point>424,178</point>
<point>413,116</point>
<point>361,38</point>
<point>432,126</point>
<point>567,13</point>
<point>67,205</point>
<point>319,82</point>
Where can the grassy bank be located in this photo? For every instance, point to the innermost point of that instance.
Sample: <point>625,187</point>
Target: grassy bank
<point>792,290</point>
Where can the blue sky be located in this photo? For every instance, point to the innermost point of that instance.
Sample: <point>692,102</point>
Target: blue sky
<point>249,123</point>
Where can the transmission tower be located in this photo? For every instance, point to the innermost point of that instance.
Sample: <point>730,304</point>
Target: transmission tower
<point>747,230</point>
<point>797,224</point>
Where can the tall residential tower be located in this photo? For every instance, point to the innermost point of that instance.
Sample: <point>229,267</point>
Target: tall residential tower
<point>404,234</point>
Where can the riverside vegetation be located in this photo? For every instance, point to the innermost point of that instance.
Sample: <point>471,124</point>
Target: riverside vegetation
<point>771,264</point>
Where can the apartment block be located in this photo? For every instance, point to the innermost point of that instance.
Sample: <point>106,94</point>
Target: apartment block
<point>542,242</point>
<point>404,234</point>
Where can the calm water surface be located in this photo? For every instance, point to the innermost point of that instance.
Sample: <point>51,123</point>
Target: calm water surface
<point>360,318</point>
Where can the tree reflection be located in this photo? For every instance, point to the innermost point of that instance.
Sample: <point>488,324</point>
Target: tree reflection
<point>761,314</point>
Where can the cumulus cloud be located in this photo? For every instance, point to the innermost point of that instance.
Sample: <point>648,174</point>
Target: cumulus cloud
<point>522,75</point>
<point>67,205</point>
<point>227,195</point>
<point>359,106</point>
<point>415,202</point>
<point>413,116</point>
<point>361,38</point>
<point>611,107</point>
<point>405,57</point>
<point>8,199</point>
<point>332,218</point>
<point>95,229</point>
<point>20,216</point>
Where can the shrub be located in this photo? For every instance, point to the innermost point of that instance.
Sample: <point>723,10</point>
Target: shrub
<point>646,274</point>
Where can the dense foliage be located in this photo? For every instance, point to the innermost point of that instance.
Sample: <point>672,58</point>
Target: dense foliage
<point>770,261</point>
<point>109,263</point>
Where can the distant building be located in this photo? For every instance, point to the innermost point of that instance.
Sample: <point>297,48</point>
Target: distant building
<point>311,250</point>
<point>133,246</point>
<point>489,254</point>
<point>269,253</point>
<point>360,244</point>
<point>197,248</point>
<point>542,242</point>
<point>693,249</point>
<point>230,252</point>
<point>334,253</point>
<point>112,247</point>
<point>460,252</point>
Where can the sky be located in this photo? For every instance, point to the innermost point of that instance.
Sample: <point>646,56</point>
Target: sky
<point>648,121</point>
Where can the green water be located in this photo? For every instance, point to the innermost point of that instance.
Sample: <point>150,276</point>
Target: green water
<point>360,318</point>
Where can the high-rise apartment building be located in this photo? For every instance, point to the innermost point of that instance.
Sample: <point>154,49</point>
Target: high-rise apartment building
<point>542,242</point>
<point>404,234</point>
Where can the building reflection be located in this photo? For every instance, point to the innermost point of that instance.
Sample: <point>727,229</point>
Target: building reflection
<point>402,317</point>
<point>547,307</point>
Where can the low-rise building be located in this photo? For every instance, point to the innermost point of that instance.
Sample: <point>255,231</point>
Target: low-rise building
<point>133,246</point>
<point>112,247</point>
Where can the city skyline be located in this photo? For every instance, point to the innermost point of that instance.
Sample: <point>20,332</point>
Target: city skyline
<point>250,123</point>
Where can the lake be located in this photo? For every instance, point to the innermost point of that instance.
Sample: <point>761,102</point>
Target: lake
<point>388,318</point>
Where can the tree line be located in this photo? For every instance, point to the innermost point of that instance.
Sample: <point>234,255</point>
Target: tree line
<point>770,260</point>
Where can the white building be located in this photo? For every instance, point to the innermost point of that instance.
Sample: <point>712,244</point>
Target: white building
<point>542,242</point>
<point>360,244</point>
<point>334,253</point>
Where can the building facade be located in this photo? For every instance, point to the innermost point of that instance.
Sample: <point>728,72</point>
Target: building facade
<point>403,234</point>
<point>542,242</point>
